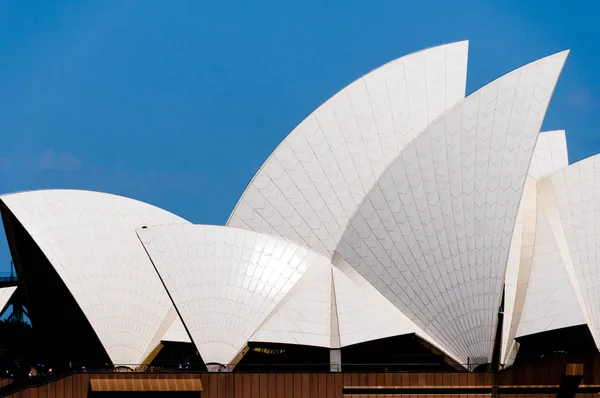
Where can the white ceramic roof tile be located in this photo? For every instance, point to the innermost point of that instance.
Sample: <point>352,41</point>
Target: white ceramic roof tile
<point>313,182</point>
<point>224,282</point>
<point>576,190</point>
<point>434,233</point>
<point>90,240</point>
<point>364,314</point>
<point>550,299</point>
<point>176,332</point>
<point>5,295</point>
<point>334,328</point>
<point>517,270</point>
<point>303,317</point>
<point>550,154</point>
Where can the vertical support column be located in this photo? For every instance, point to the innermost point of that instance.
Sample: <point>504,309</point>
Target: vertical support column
<point>218,368</point>
<point>335,354</point>
<point>570,381</point>
<point>335,360</point>
<point>495,384</point>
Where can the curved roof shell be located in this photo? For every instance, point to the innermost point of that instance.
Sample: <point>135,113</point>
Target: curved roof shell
<point>225,282</point>
<point>176,333</point>
<point>397,207</point>
<point>305,316</point>
<point>572,204</point>
<point>433,235</point>
<point>89,238</point>
<point>550,299</point>
<point>310,186</point>
<point>549,156</point>
<point>334,307</point>
<point>5,295</point>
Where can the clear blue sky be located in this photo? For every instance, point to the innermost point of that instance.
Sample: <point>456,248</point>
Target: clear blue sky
<point>179,102</point>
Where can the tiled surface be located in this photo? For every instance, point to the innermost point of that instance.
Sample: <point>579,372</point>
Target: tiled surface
<point>312,184</point>
<point>550,155</point>
<point>550,301</point>
<point>397,217</point>
<point>517,270</point>
<point>224,281</point>
<point>577,197</point>
<point>176,332</point>
<point>364,314</point>
<point>89,238</point>
<point>304,315</point>
<point>5,295</point>
<point>434,233</point>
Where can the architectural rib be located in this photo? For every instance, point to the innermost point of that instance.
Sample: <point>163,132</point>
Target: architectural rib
<point>549,156</point>
<point>314,181</point>
<point>550,299</point>
<point>433,235</point>
<point>5,295</point>
<point>89,239</point>
<point>225,282</point>
<point>574,212</point>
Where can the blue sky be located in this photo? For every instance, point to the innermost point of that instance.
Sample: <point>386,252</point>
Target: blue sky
<point>178,103</point>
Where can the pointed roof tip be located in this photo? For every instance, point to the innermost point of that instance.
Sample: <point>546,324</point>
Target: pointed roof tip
<point>561,54</point>
<point>442,44</point>
<point>456,43</point>
<point>558,59</point>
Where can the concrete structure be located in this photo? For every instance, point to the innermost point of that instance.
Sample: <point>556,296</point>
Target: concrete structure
<point>5,295</point>
<point>397,208</point>
<point>89,239</point>
<point>311,185</point>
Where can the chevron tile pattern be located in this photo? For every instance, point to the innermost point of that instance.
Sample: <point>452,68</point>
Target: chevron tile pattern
<point>549,156</point>
<point>312,184</point>
<point>225,282</point>
<point>397,207</point>
<point>304,316</point>
<point>89,238</point>
<point>550,302</point>
<point>576,192</point>
<point>434,233</point>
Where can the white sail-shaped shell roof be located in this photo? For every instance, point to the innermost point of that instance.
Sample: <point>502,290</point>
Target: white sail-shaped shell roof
<point>176,333</point>
<point>89,238</point>
<point>550,299</point>
<point>225,282</point>
<point>397,207</point>
<point>549,156</point>
<point>5,295</point>
<point>572,205</point>
<point>304,316</point>
<point>313,182</point>
<point>433,235</point>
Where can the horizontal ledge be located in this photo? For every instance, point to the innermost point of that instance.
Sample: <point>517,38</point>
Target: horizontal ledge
<point>529,386</point>
<point>415,387</point>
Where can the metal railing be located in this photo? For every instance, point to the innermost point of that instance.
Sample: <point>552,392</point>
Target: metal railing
<point>320,367</point>
<point>8,277</point>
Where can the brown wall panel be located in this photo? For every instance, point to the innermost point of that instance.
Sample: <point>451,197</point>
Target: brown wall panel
<point>305,385</point>
<point>330,385</point>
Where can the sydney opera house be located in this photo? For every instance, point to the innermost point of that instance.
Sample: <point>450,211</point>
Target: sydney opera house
<point>402,229</point>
